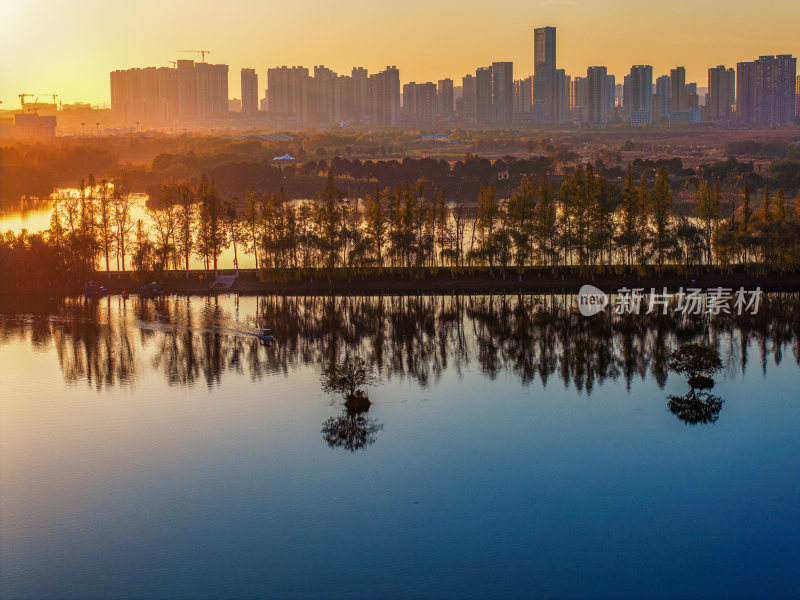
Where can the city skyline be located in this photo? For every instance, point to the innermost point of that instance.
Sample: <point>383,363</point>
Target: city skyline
<point>449,44</point>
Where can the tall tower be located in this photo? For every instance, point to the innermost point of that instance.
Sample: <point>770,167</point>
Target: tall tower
<point>597,78</point>
<point>483,95</point>
<point>663,91</point>
<point>249,92</point>
<point>640,82</point>
<point>544,74</point>
<point>679,99</point>
<point>721,93</point>
<point>502,92</point>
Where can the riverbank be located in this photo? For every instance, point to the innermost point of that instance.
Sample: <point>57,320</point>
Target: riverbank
<point>428,281</point>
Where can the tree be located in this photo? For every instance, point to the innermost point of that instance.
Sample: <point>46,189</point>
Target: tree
<point>661,218</point>
<point>375,221</point>
<point>630,229</point>
<point>123,222</point>
<point>105,222</point>
<point>347,378</point>
<point>186,222</point>
<point>708,211</point>
<point>697,361</point>
<point>212,235</point>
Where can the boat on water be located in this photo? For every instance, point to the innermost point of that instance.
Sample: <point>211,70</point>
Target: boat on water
<point>94,289</point>
<point>265,335</point>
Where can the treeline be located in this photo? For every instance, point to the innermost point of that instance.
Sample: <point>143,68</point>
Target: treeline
<point>770,149</point>
<point>587,221</point>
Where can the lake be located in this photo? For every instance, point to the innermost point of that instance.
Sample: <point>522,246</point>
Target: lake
<point>154,448</point>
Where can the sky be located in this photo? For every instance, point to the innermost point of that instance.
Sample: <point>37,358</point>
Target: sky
<point>69,47</point>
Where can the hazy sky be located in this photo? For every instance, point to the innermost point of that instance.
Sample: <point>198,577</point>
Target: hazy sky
<point>69,47</point>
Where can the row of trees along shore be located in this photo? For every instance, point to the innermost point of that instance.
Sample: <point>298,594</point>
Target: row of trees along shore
<point>585,222</point>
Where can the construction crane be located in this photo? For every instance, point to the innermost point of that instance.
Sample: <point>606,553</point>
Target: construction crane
<point>202,53</point>
<point>53,96</point>
<point>174,63</point>
<point>22,99</point>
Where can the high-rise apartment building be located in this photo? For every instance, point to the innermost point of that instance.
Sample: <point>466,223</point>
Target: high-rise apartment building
<point>483,96</point>
<point>679,99</point>
<point>766,90</point>
<point>502,93</point>
<point>523,96</point>
<point>797,99</point>
<point>598,95</point>
<point>544,74</point>
<point>640,84</point>
<point>721,93</point>
<point>249,92</point>
<point>212,89</point>
<point>360,77</point>
<point>468,99</point>
<point>162,96</point>
<point>445,96</point>
<point>663,101</point>
<point>384,93</point>
<point>562,96</point>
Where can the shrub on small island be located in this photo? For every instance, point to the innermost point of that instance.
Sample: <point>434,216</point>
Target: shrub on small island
<point>698,362</point>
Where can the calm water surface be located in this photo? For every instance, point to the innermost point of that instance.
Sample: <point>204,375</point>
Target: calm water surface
<point>153,449</point>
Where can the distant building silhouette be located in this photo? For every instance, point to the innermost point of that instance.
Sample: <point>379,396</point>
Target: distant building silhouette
<point>721,93</point>
<point>544,74</point>
<point>249,92</point>
<point>468,99</point>
<point>445,97</point>
<point>640,96</point>
<point>384,93</point>
<point>662,106</point>
<point>598,95</point>
<point>679,99</point>
<point>483,96</point>
<point>502,93</point>
<point>766,90</point>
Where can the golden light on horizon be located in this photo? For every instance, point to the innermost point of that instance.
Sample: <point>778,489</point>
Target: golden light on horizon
<point>70,47</point>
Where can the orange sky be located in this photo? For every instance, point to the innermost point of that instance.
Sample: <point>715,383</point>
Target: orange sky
<point>69,46</point>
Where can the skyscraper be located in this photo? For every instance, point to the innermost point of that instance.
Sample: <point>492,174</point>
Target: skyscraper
<point>445,95</point>
<point>468,103</point>
<point>502,93</point>
<point>640,83</point>
<point>523,95</point>
<point>561,96</point>
<point>544,74</point>
<point>679,100</point>
<point>360,93</point>
<point>249,92</point>
<point>663,106</point>
<point>483,95</point>
<point>721,93</point>
<point>598,93</point>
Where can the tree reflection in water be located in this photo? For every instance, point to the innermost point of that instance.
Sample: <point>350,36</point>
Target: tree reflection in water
<point>696,407</point>
<point>351,430</point>
<point>111,341</point>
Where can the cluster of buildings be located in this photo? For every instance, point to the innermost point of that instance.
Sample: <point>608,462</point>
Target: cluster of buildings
<point>163,96</point>
<point>765,92</point>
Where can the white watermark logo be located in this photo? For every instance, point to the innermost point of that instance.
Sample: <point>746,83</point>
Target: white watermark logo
<point>692,301</point>
<point>591,300</point>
